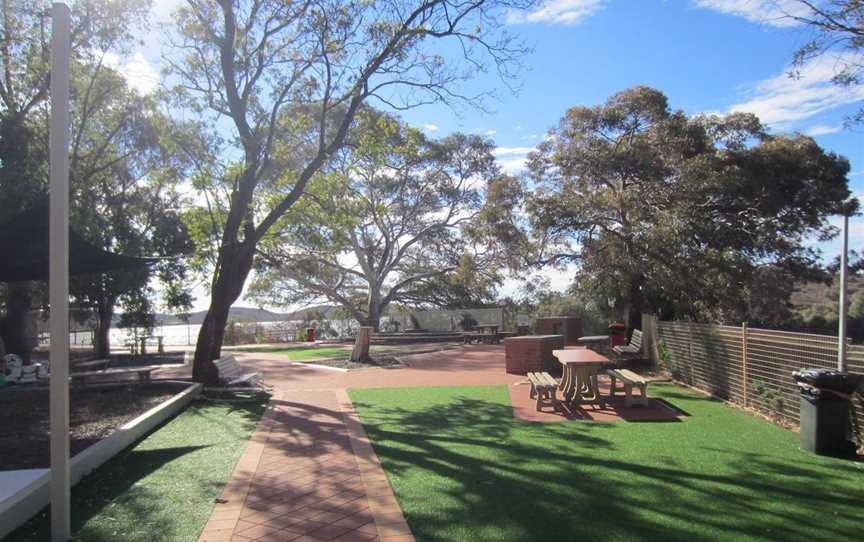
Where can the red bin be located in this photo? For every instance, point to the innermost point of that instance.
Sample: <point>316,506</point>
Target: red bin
<point>310,334</point>
<point>617,334</point>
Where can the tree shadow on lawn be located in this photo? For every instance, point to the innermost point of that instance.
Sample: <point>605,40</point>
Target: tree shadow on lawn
<point>110,504</point>
<point>465,471</point>
<point>113,483</point>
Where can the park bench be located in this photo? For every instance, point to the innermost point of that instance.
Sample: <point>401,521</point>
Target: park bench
<point>232,374</point>
<point>543,387</point>
<point>630,380</point>
<point>631,350</point>
<point>143,373</point>
<point>90,365</point>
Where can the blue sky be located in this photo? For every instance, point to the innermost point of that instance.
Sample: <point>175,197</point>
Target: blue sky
<point>705,55</point>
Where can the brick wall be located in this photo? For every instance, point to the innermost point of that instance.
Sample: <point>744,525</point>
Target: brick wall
<point>532,354</point>
<point>568,326</point>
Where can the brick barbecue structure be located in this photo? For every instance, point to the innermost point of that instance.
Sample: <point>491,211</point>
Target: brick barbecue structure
<point>532,353</point>
<point>569,326</point>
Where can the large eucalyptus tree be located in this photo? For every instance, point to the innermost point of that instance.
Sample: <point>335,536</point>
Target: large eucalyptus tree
<point>251,61</point>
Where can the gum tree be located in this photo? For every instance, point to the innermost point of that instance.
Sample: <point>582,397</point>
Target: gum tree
<point>246,63</point>
<point>384,225</point>
<point>676,214</point>
<point>97,26</point>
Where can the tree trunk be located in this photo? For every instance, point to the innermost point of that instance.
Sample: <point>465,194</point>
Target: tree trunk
<point>232,273</point>
<point>102,343</point>
<point>373,310</point>
<point>360,354</point>
<point>16,328</point>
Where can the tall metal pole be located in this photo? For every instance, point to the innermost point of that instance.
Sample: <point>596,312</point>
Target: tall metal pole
<point>844,303</point>
<point>58,273</point>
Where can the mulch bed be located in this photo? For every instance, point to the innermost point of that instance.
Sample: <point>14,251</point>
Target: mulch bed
<point>94,414</point>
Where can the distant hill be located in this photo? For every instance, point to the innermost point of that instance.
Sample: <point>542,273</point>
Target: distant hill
<point>811,294</point>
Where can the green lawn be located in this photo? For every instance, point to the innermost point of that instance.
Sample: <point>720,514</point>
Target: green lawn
<point>164,488</point>
<point>312,353</point>
<point>463,469</point>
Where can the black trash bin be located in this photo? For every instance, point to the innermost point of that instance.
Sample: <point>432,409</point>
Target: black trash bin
<point>825,410</point>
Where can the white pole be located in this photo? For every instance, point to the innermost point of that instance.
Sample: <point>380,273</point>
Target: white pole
<point>844,302</point>
<point>58,273</point>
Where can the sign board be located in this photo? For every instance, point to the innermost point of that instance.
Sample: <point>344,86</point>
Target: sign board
<point>522,320</point>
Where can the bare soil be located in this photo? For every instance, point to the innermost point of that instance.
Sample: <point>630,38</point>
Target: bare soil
<point>94,414</point>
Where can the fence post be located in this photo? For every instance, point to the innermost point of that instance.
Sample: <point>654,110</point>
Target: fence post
<point>690,351</point>
<point>649,336</point>
<point>744,359</point>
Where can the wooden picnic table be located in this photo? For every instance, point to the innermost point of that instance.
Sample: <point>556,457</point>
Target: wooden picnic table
<point>490,329</point>
<point>579,381</point>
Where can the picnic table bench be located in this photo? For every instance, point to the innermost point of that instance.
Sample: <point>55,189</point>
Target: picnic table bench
<point>630,380</point>
<point>93,364</point>
<point>543,386</point>
<point>232,374</point>
<point>142,372</point>
<point>139,345</point>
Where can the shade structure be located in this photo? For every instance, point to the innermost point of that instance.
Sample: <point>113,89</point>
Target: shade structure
<point>24,250</point>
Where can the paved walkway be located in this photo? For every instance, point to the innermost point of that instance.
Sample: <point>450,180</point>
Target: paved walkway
<point>310,474</point>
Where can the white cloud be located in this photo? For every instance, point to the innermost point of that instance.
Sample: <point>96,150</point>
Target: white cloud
<point>563,12</point>
<point>509,151</point>
<point>139,73</point>
<point>430,127</point>
<point>782,100</point>
<point>490,132</point>
<point>823,129</point>
<point>512,159</point>
<point>770,12</point>
<point>530,137</point>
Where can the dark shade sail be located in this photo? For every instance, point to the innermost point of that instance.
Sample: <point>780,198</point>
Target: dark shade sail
<point>24,250</point>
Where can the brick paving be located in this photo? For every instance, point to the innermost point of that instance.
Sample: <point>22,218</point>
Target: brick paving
<point>309,473</point>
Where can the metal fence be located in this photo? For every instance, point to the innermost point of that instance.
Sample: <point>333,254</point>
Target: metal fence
<point>752,367</point>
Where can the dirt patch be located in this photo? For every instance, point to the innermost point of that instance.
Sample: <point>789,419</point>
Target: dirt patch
<point>94,414</point>
<point>343,363</point>
<point>382,360</point>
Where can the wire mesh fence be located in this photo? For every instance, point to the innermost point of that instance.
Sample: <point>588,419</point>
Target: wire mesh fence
<point>753,367</point>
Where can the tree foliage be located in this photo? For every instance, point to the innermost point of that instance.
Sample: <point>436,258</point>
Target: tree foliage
<point>253,62</point>
<point>384,225</point>
<point>838,29</point>
<point>681,215</point>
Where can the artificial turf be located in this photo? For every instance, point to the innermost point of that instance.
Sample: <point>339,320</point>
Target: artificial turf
<point>163,488</point>
<point>463,469</point>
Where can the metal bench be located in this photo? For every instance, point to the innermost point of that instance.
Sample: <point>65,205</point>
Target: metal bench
<point>232,374</point>
<point>543,386</point>
<point>630,380</point>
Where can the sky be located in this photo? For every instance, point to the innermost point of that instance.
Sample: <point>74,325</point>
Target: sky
<point>707,56</point>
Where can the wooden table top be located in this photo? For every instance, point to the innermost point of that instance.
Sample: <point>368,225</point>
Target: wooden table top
<point>580,356</point>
